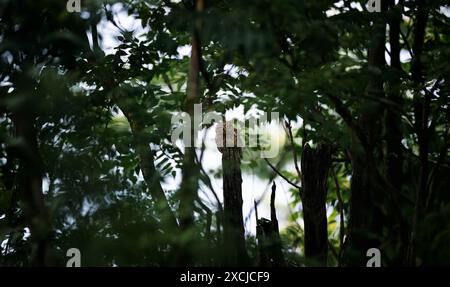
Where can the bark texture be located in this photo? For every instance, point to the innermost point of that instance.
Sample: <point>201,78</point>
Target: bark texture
<point>315,164</point>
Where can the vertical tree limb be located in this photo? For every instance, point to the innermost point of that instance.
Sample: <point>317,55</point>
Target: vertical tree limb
<point>393,125</point>
<point>234,232</point>
<point>147,165</point>
<point>190,171</point>
<point>30,184</point>
<point>315,164</point>
<point>267,232</point>
<point>366,216</point>
<point>421,115</point>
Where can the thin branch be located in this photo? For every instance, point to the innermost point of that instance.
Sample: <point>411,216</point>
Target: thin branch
<point>273,213</point>
<point>289,129</point>
<point>167,82</point>
<point>387,51</point>
<point>272,178</point>
<point>255,206</point>
<point>408,47</point>
<point>202,152</point>
<point>333,250</point>
<point>429,160</point>
<point>346,115</point>
<point>281,175</point>
<point>208,183</point>
<point>208,216</point>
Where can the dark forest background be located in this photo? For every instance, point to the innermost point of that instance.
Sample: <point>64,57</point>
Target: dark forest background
<point>85,132</point>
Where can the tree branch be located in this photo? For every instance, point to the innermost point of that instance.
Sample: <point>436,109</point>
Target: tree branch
<point>289,129</point>
<point>281,175</point>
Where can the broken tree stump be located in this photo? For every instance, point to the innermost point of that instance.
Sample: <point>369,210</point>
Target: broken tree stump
<point>269,242</point>
<point>234,232</point>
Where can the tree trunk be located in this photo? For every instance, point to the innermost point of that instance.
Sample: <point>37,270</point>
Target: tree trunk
<point>190,170</point>
<point>421,121</point>
<point>234,232</point>
<point>30,185</point>
<point>394,131</point>
<point>366,192</point>
<point>315,164</point>
<point>147,165</point>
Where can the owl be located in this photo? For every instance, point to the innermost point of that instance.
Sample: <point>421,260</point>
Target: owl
<point>225,135</point>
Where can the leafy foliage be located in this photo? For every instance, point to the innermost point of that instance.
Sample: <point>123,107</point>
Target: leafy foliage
<point>98,124</point>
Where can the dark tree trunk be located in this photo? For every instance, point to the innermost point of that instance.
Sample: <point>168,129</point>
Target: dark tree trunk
<point>147,164</point>
<point>365,210</point>
<point>190,171</point>
<point>234,232</point>
<point>393,117</point>
<point>366,192</point>
<point>421,122</point>
<point>30,185</point>
<point>315,164</point>
<point>394,131</point>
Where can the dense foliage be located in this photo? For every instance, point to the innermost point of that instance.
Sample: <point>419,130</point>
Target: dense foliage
<point>85,131</point>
